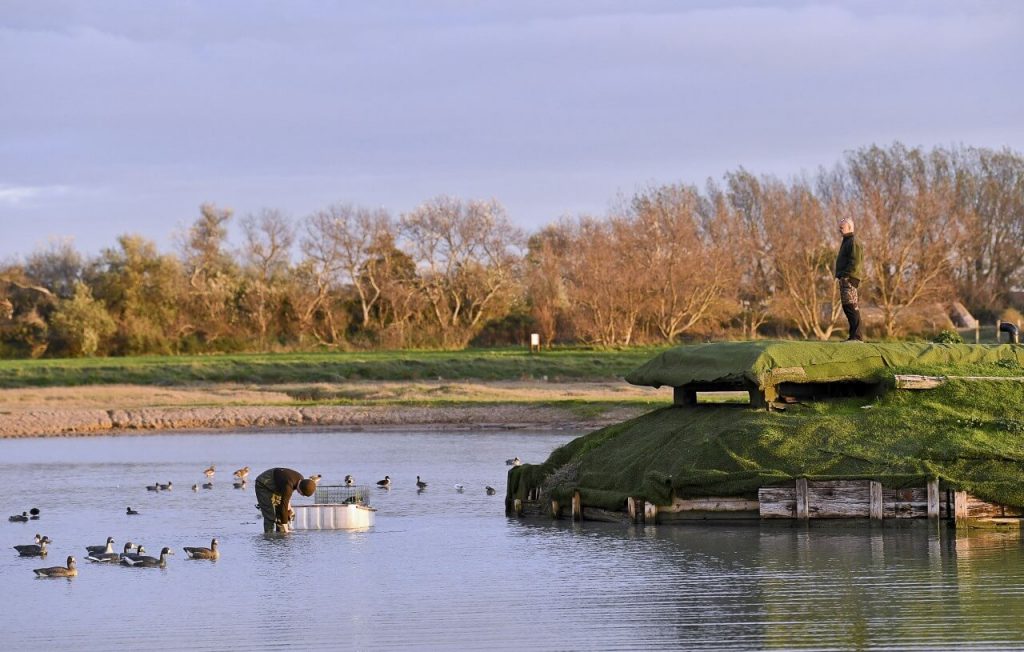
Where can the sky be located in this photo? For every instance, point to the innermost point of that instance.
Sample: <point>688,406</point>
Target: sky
<point>124,117</point>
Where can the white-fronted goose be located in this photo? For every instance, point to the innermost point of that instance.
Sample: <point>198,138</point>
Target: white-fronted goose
<point>203,553</point>
<point>58,571</point>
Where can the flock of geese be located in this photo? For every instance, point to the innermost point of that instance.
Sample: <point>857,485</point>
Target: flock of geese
<point>420,485</point>
<point>132,556</point>
<point>240,482</point>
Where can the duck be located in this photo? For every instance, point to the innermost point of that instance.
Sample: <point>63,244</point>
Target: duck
<point>111,557</point>
<point>19,518</point>
<point>420,483</point>
<point>385,483</point>
<point>203,553</point>
<point>37,549</point>
<point>58,571</point>
<point>108,547</point>
<point>239,485</point>
<point>35,542</point>
<point>490,490</point>
<point>242,473</point>
<point>349,481</point>
<point>131,512</point>
<point>167,487</point>
<point>515,461</point>
<point>143,561</point>
<point>207,485</point>
<point>209,471</point>
<point>195,487</point>
<point>459,487</point>
<point>153,487</point>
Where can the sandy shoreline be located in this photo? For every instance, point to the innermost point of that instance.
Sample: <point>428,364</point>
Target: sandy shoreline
<point>96,410</point>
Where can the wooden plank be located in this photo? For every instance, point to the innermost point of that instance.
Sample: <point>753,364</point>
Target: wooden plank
<point>802,504</point>
<point>875,500</point>
<point>905,503</point>
<point>933,498</point>
<point>711,504</point>
<point>839,499</point>
<point>604,515</point>
<point>914,381</point>
<point>777,502</point>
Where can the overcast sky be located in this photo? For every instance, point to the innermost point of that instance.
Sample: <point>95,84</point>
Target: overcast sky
<point>120,117</point>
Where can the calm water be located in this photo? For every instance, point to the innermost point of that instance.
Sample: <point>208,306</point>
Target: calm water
<point>443,570</point>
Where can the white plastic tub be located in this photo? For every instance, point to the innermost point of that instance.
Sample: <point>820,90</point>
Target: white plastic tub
<point>333,517</point>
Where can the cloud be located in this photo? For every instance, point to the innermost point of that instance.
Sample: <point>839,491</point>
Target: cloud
<point>15,195</point>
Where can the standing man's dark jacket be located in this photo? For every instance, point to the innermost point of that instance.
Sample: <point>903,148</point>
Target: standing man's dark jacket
<point>849,262</point>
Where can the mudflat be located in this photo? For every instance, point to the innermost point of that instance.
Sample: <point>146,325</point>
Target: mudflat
<point>102,409</point>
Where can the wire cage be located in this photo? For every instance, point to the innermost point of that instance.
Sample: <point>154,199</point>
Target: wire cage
<point>336,494</point>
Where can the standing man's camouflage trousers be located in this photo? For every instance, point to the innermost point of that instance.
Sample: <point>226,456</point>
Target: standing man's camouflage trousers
<point>268,499</point>
<point>851,305</point>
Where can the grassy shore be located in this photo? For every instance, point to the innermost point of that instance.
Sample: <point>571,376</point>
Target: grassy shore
<point>575,364</point>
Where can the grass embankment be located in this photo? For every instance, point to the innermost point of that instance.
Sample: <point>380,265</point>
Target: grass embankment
<point>968,434</point>
<point>475,364</point>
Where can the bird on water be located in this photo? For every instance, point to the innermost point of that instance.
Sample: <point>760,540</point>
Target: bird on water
<point>107,547</point>
<point>385,483</point>
<point>420,484</point>
<point>58,571</point>
<point>37,549</point>
<point>242,473</point>
<point>111,557</point>
<point>19,518</point>
<point>515,461</point>
<point>209,471</point>
<point>131,512</point>
<point>167,487</point>
<point>148,562</point>
<point>490,490</point>
<point>203,553</point>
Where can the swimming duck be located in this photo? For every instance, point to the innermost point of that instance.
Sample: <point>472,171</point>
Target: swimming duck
<point>239,485</point>
<point>515,461</point>
<point>148,562</point>
<point>349,481</point>
<point>420,483</point>
<point>58,571</point>
<point>385,483</point>
<point>37,549</point>
<point>209,471</point>
<point>490,490</point>
<point>242,473</point>
<point>203,553</point>
<point>459,487</point>
<point>153,487</point>
<point>111,557</point>
<point>19,518</point>
<point>131,512</point>
<point>207,485</point>
<point>167,487</point>
<point>109,547</point>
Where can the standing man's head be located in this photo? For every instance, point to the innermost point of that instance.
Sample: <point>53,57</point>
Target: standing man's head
<point>846,226</point>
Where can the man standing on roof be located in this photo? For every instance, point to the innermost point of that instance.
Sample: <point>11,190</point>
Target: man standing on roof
<point>848,271</point>
<point>274,489</point>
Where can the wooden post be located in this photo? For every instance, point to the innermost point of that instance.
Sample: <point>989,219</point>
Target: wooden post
<point>960,508</point>
<point>517,507</point>
<point>933,498</point>
<point>631,508</point>
<point>555,509</point>
<point>977,331</point>
<point>802,508</point>
<point>577,507</point>
<point>639,510</point>
<point>650,513</point>
<point>999,323</point>
<point>875,498</point>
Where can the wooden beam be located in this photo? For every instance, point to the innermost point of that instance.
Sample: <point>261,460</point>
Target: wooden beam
<point>802,507</point>
<point>875,501</point>
<point>933,498</point>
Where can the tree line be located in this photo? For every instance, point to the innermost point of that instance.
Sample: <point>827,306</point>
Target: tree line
<point>743,256</point>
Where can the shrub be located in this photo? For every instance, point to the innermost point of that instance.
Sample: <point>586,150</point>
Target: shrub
<point>948,336</point>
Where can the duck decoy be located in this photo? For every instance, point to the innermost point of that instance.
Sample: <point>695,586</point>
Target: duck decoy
<point>195,487</point>
<point>37,549</point>
<point>490,490</point>
<point>349,481</point>
<point>33,514</point>
<point>167,487</point>
<point>58,571</point>
<point>139,552</point>
<point>131,512</point>
<point>207,485</point>
<point>108,547</point>
<point>242,473</point>
<point>459,487</point>
<point>153,487</point>
<point>145,561</point>
<point>238,485</point>
<point>515,461</point>
<point>19,518</point>
<point>385,483</point>
<point>111,557</point>
<point>203,553</point>
<point>209,471</point>
<point>35,542</point>
<point>420,484</point>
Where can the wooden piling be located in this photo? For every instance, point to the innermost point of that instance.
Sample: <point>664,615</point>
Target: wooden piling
<point>517,507</point>
<point>933,498</point>
<point>875,501</point>
<point>556,509</point>
<point>802,508</point>
<point>650,513</point>
<point>960,508</point>
<point>577,507</point>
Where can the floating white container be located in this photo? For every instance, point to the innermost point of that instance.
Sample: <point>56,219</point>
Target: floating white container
<point>333,517</point>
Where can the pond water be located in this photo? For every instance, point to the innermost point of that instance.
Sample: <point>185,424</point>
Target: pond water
<point>447,570</point>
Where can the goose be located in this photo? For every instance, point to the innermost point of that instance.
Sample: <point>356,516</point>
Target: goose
<point>209,471</point>
<point>35,542</point>
<point>34,549</point>
<point>420,483</point>
<point>242,473</point>
<point>58,571</point>
<point>111,557</point>
<point>19,518</point>
<point>515,461</point>
<point>139,552</point>
<point>239,485</point>
<point>459,487</point>
<point>131,512</point>
<point>385,483</point>
<point>142,561</point>
<point>203,553</point>
<point>490,490</point>
<point>108,547</point>
<point>167,487</point>
<point>207,485</point>
<point>153,487</point>
<point>349,481</point>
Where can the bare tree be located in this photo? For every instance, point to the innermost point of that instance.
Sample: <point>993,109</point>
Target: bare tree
<point>266,254</point>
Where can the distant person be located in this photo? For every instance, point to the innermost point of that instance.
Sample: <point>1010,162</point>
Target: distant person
<point>849,265</point>
<point>274,488</point>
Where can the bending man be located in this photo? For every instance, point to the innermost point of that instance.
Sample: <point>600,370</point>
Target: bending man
<point>274,489</point>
